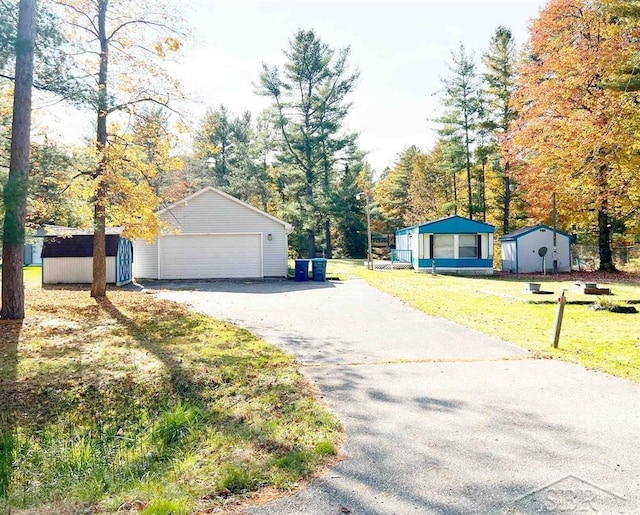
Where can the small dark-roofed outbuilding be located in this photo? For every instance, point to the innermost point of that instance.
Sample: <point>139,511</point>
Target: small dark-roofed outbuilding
<point>68,259</point>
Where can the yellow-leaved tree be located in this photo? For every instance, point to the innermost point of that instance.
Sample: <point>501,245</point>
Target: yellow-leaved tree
<point>120,50</point>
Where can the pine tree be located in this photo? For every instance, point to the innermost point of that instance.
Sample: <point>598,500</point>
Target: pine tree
<point>310,103</point>
<point>500,80</point>
<point>462,90</point>
<point>15,190</point>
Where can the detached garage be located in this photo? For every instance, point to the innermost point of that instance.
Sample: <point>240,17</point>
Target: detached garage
<point>216,236</point>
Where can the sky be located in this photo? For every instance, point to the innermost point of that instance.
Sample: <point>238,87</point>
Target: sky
<point>400,47</point>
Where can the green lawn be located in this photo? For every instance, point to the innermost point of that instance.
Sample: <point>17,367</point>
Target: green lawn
<point>601,340</point>
<point>137,403</point>
<point>33,274</point>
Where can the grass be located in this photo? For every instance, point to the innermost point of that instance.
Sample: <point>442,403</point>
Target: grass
<point>601,340</point>
<point>136,404</point>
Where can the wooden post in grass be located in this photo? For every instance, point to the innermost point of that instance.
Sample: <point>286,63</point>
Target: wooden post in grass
<point>562,300</point>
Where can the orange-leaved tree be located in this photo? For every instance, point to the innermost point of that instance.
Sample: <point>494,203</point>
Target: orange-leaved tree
<point>574,136</point>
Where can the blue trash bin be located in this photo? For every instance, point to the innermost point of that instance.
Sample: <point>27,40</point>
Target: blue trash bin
<point>319,269</point>
<point>302,270</point>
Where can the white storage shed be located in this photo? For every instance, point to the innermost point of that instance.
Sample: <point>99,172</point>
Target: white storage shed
<point>529,249</point>
<point>69,259</point>
<point>217,236</point>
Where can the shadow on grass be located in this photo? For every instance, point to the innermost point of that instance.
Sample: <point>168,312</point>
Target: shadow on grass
<point>71,422</point>
<point>193,389</point>
<point>181,381</point>
<point>10,335</point>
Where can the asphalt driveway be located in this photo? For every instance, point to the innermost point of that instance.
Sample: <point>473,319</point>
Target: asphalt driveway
<point>439,418</point>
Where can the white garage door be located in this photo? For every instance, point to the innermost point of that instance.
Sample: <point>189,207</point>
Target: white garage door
<point>211,256</point>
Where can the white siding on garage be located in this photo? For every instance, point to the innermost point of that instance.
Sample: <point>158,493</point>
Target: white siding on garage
<point>211,212</point>
<point>145,259</point>
<point>211,256</point>
<point>74,270</point>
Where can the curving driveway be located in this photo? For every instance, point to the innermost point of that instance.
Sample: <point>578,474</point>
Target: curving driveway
<point>439,418</point>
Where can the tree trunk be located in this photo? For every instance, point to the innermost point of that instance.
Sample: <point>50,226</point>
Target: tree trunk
<point>604,242</point>
<point>483,193</point>
<point>99,283</point>
<point>507,200</point>
<point>455,194</point>
<point>311,236</point>
<point>311,244</point>
<point>327,239</point>
<point>468,164</point>
<point>15,191</point>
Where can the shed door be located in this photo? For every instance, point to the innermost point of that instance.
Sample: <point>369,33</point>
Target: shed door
<point>211,256</point>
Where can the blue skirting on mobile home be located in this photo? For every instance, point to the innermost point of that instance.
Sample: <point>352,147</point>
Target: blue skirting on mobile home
<point>452,245</point>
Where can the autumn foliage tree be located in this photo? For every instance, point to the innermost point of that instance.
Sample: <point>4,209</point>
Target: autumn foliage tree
<point>431,192</point>
<point>574,136</point>
<point>119,48</point>
<point>391,192</point>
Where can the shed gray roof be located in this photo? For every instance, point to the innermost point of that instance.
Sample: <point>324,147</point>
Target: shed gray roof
<point>526,230</point>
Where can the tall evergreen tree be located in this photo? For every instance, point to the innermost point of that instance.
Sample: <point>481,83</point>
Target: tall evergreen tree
<point>214,146</point>
<point>310,101</point>
<point>350,225</point>
<point>500,78</point>
<point>462,93</point>
<point>234,153</point>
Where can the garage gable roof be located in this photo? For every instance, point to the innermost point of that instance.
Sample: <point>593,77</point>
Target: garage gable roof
<point>288,227</point>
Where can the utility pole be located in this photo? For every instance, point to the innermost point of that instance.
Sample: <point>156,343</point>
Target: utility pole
<point>369,253</point>
<point>555,234</point>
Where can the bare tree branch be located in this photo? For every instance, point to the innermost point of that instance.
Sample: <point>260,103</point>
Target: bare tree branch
<point>83,14</point>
